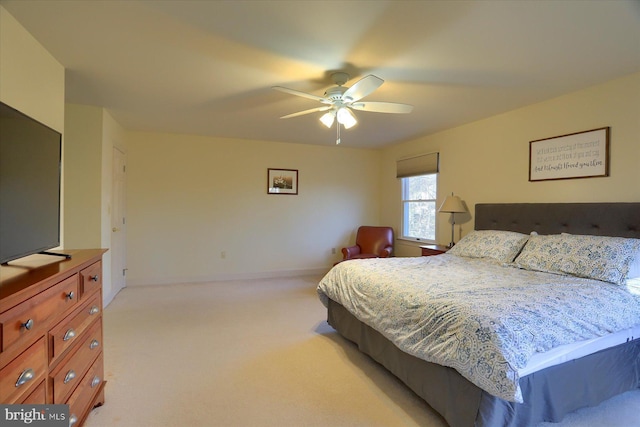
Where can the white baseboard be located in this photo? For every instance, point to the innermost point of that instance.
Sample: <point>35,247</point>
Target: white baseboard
<point>227,277</point>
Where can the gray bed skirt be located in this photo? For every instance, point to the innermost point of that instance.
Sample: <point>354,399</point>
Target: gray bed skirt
<point>549,394</point>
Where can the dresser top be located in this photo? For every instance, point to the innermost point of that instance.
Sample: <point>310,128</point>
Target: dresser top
<point>19,275</point>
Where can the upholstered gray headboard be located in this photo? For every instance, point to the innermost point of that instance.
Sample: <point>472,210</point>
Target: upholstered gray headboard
<point>600,219</point>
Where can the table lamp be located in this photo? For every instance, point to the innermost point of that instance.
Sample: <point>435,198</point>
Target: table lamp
<point>453,205</point>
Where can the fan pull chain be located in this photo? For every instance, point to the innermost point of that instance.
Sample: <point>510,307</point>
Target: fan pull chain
<point>338,133</point>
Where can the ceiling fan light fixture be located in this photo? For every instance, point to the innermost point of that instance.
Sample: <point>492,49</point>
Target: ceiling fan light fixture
<point>346,118</point>
<point>327,118</point>
<point>339,101</point>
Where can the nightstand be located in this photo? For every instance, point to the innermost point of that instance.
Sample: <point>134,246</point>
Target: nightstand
<point>428,250</point>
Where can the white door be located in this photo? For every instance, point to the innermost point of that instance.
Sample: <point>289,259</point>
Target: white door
<point>118,223</point>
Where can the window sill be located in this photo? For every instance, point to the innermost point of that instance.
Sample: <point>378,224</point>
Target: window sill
<point>412,242</point>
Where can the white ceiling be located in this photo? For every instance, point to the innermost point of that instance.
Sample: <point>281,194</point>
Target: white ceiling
<point>207,67</point>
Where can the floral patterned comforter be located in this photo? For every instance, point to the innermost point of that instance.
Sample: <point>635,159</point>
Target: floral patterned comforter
<point>482,318</point>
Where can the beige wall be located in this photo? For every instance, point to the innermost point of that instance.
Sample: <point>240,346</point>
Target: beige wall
<point>91,134</point>
<point>31,80</point>
<point>190,198</point>
<point>487,161</point>
<point>83,173</point>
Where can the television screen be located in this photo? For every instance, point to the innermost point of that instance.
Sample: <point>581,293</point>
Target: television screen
<point>30,155</point>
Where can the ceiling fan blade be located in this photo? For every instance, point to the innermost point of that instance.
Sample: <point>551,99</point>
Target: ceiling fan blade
<point>302,94</point>
<point>362,88</point>
<point>382,107</point>
<point>302,113</point>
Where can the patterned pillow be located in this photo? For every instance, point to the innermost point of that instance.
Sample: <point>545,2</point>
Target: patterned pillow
<point>495,244</point>
<point>594,257</point>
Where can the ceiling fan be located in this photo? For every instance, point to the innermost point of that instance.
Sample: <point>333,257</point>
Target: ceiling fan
<point>340,101</point>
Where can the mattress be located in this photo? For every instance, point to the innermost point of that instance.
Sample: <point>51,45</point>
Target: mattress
<point>577,350</point>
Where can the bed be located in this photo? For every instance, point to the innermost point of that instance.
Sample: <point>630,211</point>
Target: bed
<point>528,379</point>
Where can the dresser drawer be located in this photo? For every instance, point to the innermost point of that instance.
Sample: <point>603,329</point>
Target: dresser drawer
<point>68,374</point>
<point>37,396</point>
<point>20,323</point>
<point>18,378</point>
<point>87,389</point>
<point>70,330</point>
<point>91,278</point>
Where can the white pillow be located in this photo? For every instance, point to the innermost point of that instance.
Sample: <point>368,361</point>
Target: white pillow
<point>500,245</point>
<point>634,267</point>
<point>595,257</point>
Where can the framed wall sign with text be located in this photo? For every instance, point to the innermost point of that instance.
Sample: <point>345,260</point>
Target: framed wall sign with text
<point>576,155</point>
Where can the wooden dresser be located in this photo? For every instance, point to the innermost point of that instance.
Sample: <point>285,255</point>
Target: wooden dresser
<point>51,332</point>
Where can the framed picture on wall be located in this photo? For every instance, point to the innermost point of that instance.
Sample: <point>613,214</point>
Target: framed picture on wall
<point>576,155</point>
<point>282,181</point>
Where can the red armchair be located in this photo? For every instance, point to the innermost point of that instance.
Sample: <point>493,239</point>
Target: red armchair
<point>371,242</point>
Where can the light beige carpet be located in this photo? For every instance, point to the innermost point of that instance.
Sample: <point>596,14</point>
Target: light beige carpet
<point>258,353</point>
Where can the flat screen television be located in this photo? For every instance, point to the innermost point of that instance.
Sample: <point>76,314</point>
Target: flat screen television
<point>30,161</point>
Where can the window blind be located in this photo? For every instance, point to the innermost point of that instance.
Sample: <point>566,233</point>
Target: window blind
<point>418,165</point>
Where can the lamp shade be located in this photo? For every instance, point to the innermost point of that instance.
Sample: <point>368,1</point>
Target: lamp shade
<point>346,118</point>
<point>327,118</point>
<point>452,204</point>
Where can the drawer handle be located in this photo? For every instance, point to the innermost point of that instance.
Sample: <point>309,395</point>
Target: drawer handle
<point>94,310</point>
<point>73,419</point>
<point>94,278</point>
<point>94,344</point>
<point>95,381</point>
<point>69,335</point>
<point>70,295</point>
<point>27,325</point>
<point>70,375</point>
<point>26,376</point>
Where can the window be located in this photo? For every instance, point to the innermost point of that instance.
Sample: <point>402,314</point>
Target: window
<point>419,175</point>
<point>419,207</point>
